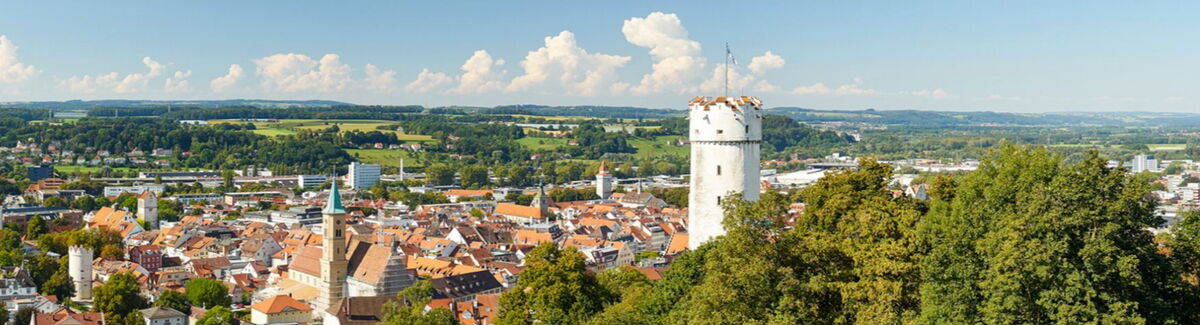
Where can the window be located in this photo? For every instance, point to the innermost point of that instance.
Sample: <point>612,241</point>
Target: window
<point>718,199</point>
<point>718,170</point>
<point>720,131</point>
<point>747,129</point>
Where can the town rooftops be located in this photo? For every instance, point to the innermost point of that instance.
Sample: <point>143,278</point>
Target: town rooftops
<point>280,303</point>
<point>161,313</point>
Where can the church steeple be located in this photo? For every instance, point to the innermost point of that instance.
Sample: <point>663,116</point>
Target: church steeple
<point>333,252</point>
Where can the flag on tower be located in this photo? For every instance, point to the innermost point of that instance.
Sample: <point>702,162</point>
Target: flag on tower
<point>729,54</point>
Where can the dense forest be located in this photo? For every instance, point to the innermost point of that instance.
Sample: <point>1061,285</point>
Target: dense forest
<point>1027,239</point>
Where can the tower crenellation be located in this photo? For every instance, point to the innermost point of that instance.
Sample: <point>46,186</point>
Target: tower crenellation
<point>725,135</point>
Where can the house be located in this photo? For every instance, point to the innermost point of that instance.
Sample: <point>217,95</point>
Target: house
<point>16,284</point>
<point>519,213</point>
<point>641,200</point>
<point>280,309</point>
<point>359,311</point>
<point>66,316</point>
<point>149,256</point>
<point>457,195</point>
<point>163,316</point>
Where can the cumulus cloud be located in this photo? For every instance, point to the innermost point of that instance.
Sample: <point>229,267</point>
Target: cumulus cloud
<point>715,83</point>
<point>561,65</point>
<point>677,61</point>
<point>480,74</point>
<point>855,89</point>
<point>227,81</point>
<point>297,72</point>
<point>130,83</point>
<point>178,83</point>
<point>428,81</point>
<point>814,89</point>
<point>379,80</point>
<point>759,65</point>
<point>135,82</point>
<point>11,69</point>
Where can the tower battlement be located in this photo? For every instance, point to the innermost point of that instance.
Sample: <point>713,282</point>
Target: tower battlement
<point>725,133</point>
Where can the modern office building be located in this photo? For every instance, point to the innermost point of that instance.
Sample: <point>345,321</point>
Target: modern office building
<point>362,176</point>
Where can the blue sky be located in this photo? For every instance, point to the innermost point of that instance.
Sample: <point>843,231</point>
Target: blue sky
<point>973,55</point>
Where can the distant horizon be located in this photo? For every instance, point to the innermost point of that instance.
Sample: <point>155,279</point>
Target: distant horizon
<point>577,105</point>
<point>1000,56</point>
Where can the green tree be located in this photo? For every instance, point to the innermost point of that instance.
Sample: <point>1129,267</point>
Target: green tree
<point>475,176</point>
<point>23,316</point>
<point>219,315</point>
<point>207,293</point>
<point>60,283</point>
<point>119,296</point>
<point>554,289</point>
<point>174,300</point>
<point>409,307</point>
<point>36,227</point>
<point>439,174</point>
<point>3,313</point>
<point>55,201</point>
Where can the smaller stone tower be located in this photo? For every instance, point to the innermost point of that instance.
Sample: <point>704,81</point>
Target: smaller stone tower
<point>79,264</point>
<point>147,209</point>
<point>604,181</point>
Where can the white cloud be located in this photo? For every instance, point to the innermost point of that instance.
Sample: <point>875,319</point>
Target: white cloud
<point>134,82</point>
<point>561,65</point>
<point>12,70</point>
<point>716,81</point>
<point>480,74</point>
<point>429,81</point>
<point>815,89</point>
<point>855,89</point>
<point>130,83</point>
<point>227,81</point>
<point>378,80</point>
<point>762,86</point>
<point>178,83</point>
<point>297,72</point>
<point>766,62</point>
<point>89,84</point>
<point>677,58</point>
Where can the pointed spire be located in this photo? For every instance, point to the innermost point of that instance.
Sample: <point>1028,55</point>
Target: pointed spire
<point>334,204</point>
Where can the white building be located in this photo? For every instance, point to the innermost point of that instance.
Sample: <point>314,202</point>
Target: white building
<point>725,134</point>
<point>148,209</point>
<point>363,176</point>
<point>1143,163</point>
<point>114,191</point>
<point>163,316</point>
<point>308,181</point>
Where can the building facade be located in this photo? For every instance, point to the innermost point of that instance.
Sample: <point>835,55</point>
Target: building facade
<point>363,176</point>
<point>725,134</point>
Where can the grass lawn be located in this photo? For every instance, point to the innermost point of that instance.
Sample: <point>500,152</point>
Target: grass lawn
<point>290,126</point>
<point>542,143</point>
<point>1166,147</point>
<point>86,169</point>
<point>385,157</point>
<point>661,146</point>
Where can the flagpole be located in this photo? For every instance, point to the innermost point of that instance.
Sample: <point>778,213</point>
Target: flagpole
<point>726,69</point>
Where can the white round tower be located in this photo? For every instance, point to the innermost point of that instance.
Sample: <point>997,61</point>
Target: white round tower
<point>725,134</point>
<point>79,264</point>
<point>604,181</point>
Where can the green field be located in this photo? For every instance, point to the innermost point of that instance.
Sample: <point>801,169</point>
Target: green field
<point>661,146</point>
<point>291,126</point>
<point>542,143</point>
<point>86,169</point>
<point>1166,147</point>
<point>385,157</point>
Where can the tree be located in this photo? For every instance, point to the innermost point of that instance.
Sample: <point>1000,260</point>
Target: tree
<point>439,174</point>
<point>174,300</point>
<point>23,316</point>
<point>3,313</point>
<point>219,315</point>
<point>112,252</point>
<point>409,307</point>
<point>36,227</point>
<point>60,283</point>
<point>554,289</point>
<point>55,201</point>
<point>207,293</point>
<point>475,176</point>
<point>119,296</point>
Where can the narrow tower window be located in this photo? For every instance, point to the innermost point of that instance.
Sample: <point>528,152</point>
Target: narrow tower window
<point>747,129</point>
<point>718,170</point>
